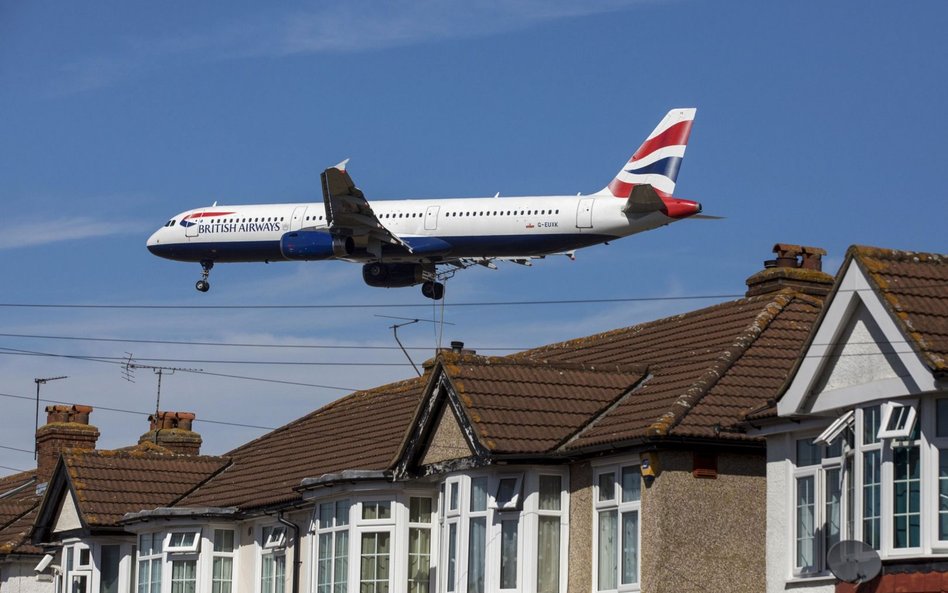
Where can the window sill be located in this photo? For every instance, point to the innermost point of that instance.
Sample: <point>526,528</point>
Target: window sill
<point>814,578</point>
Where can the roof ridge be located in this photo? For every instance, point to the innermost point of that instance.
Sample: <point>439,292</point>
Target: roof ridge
<point>686,402</point>
<point>532,362</point>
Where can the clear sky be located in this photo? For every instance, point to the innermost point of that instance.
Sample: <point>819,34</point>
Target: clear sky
<point>819,123</point>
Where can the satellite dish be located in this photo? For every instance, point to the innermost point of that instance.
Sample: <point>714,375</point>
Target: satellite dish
<point>853,561</point>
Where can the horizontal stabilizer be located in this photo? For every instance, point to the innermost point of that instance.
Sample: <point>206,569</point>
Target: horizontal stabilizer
<point>643,200</point>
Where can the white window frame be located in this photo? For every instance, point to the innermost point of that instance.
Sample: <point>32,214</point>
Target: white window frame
<point>431,527</point>
<point>514,504</point>
<point>272,547</point>
<point>888,409</point>
<point>616,504</point>
<point>829,436</point>
<point>332,531</point>
<point>213,554</point>
<point>193,547</point>
<point>273,537</point>
<point>938,447</point>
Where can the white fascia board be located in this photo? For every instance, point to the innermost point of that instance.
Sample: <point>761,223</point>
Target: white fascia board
<point>854,290</point>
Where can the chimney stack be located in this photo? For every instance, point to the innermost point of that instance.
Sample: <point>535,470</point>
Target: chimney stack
<point>172,430</point>
<point>67,427</point>
<point>798,267</point>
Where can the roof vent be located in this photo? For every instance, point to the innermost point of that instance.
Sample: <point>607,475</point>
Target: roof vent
<point>797,266</point>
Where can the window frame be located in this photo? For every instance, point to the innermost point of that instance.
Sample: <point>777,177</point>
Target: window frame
<point>620,507</point>
<point>192,548</point>
<point>903,432</point>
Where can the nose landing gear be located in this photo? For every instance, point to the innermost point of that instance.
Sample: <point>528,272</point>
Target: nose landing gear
<point>433,290</point>
<point>203,285</point>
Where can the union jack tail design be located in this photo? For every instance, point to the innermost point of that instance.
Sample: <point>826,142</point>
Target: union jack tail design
<point>656,162</point>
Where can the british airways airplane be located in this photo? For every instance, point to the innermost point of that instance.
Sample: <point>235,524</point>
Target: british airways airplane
<point>408,242</point>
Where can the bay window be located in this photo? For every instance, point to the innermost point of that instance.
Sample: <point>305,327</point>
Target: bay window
<point>273,559</point>
<point>878,474</point>
<point>222,561</point>
<point>332,529</point>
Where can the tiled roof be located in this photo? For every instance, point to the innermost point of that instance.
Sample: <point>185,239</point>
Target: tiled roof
<point>706,367</point>
<point>360,431</point>
<point>914,286</point>
<point>18,504</point>
<point>526,406</point>
<point>109,484</point>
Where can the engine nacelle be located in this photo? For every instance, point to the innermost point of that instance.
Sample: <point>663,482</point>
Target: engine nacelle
<point>392,275</point>
<point>314,245</point>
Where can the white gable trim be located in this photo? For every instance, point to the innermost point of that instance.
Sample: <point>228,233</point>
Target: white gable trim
<point>804,394</point>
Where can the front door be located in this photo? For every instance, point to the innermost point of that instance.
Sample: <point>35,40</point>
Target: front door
<point>431,218</point>
<point>190,223</point>
<point>584,213</point>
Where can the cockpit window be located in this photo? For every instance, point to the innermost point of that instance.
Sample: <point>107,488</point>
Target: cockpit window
<point>172,222</point>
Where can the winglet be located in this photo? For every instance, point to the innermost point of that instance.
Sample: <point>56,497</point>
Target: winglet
<point>342,166</point>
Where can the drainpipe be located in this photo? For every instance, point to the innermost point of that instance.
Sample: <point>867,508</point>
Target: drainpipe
<point>297,555</point>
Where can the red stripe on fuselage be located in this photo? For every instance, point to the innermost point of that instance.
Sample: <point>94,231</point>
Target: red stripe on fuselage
<point>206,214</point>
<point>673,136</point>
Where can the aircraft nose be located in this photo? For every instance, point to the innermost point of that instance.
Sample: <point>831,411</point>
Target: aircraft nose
<point>154,241</point>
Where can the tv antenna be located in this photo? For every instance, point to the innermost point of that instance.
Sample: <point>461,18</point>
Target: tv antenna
<point>39,382</point>
<point>853,561</point>
<point>128,373</point>
<point>408,321</point>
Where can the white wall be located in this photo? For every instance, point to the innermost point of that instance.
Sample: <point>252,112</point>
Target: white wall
<point>18,577</point>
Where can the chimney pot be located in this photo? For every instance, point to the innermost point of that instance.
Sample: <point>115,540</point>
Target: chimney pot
<point>796,266</point>
<point>457,346</point>
<point>67,427</point>
<point>172,430</point>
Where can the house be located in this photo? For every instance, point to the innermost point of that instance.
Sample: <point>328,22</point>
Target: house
<point>857,441</point>
<point>605,463</point>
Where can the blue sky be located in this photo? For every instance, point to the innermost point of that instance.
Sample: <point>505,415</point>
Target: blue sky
<point>818,123</point>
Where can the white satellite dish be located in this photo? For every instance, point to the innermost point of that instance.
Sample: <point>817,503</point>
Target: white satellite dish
<point>853,561</point>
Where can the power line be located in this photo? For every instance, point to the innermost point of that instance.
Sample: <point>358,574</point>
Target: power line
<point>15,469</point>
<point>18,352</point>
<point>16,449</point>
<point>240,344</point>
<point>588,301</point>
<point>137,413</point>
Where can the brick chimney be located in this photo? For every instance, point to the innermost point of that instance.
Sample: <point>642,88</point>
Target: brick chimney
<point>797,267</point>
<point>172,430</point>
<point>67,427</point>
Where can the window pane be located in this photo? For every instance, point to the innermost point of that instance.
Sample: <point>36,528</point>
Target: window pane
<point>630,547</point>
<point>111,555</point>
<point>453,496</point>
<point>340,569</point>
<point>155,576</point>
<point>325,515</point>
<point>223,540</point>
<point>631,484</point>
<point>342,512</point>
<point>223,569</point>
<point>506,491</point>
<point>805,539</point>
<point>419,510</point>
<point>833,509</point>
<point>374,567</point>
<point>183,575</point>
<point>608,553</point>
<point>906,486</point>
<point>871,498</point>
<point>871,417</point>
<point>478,494</point>
<point>941,418</point>
<point>550,487</point>
<point>508,553</point>
<point>808,453</point>
<point>452,555</point>
<point>476,554</point>
<point>548,554</point>
<point>607,486</point>
<point>324,563</point>
<point>943,493</point>
<point>419,559</point>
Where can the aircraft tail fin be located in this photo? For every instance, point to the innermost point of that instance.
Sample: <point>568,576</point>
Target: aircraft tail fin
<point>657,160</point>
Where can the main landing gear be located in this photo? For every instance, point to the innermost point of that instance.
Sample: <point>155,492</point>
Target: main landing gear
<point>433,290</point>
<point>203,285</point>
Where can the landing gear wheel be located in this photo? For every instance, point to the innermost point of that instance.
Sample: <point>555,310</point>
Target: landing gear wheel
<point>433,290</point>
<point>203,285</point>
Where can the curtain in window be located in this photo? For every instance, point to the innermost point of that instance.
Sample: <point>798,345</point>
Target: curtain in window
<point>477,536</point>
<point>266,577</point>
<point>548,554</point>
<point>374,568</point>
<point>871,498</point>
<point>608,553</point>
<point>279,573</point>
<point>183,574</point>
<point>223,571</point>
<point>419,559</point>
<point>341,563</point>
<point>834,492</point>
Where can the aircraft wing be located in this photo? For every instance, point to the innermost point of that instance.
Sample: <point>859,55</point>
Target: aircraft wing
<point>348,212</point>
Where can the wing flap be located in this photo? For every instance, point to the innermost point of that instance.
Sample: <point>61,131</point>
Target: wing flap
<point>347,210</point>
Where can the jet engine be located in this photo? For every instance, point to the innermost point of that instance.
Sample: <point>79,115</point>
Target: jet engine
<point>392,275</point>
<point>314,245</point>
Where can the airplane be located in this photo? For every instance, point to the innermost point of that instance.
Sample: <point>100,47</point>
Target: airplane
<point>409,242</point>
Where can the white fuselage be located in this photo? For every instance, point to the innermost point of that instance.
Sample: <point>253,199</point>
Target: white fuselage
<point>473,227</point>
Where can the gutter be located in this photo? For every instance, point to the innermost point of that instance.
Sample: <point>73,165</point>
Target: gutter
<point>297,556</point>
